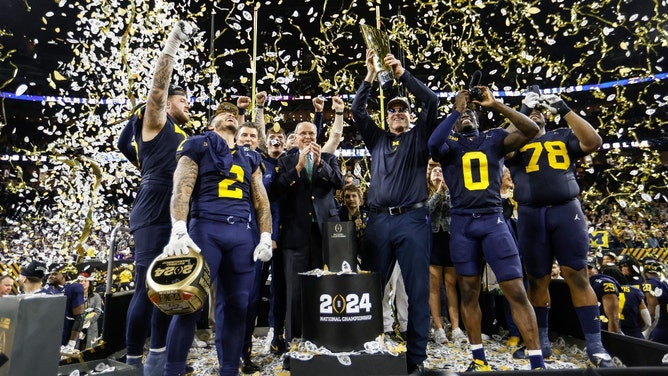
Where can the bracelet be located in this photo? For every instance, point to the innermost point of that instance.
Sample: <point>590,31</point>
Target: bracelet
<point>339,113</point>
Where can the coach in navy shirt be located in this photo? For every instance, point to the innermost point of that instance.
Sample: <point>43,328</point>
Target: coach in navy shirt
<point>398,228</point>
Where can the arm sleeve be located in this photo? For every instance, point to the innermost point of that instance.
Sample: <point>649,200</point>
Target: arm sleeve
<point>437,144</point>
<point>427,117</point>
<point>317,120</point>
<point>364,123</point>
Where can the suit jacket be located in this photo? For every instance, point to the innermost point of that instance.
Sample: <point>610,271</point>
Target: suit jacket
<point>302,199</point>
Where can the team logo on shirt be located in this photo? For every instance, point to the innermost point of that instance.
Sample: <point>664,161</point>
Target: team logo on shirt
<point>395,145</point>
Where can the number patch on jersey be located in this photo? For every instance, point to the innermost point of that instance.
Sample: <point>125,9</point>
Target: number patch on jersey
<point>609,287</point>
<point>225,188</point>
<point>557,155</point>
<point>469,162</point>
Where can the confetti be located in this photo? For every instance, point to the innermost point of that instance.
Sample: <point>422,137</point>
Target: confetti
<point>317,48</point>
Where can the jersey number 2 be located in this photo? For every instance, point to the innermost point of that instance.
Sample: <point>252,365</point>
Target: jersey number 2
<point>225,189</point>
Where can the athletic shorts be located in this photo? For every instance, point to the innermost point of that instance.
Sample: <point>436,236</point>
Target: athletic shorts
<point>476,238</point>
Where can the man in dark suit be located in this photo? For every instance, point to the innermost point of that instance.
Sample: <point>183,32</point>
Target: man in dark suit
<point>305,184</point>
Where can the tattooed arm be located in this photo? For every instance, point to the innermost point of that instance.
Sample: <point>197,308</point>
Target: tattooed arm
<point>185,178</point>
<point>156,105</point>
<point>260,202</point>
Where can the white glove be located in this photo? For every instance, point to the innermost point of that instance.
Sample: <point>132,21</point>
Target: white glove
<point>555,104</point>
<point>263,249</point>
<point>179,241</point>
<point>181,32</point>
<point>531,99</point>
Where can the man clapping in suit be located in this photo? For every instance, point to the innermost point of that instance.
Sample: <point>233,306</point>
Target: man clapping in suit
<point>305,183</point>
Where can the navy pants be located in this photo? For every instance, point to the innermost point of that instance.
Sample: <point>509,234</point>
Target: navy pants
<point>405,238</point>
<point>228,250</point>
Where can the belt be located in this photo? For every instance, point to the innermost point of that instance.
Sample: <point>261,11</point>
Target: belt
<point>396,210</point>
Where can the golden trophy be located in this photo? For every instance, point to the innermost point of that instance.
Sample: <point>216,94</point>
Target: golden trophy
<point>379,42</point>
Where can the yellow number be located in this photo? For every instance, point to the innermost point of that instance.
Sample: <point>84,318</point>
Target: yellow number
<point>537,147</point>
<point>622,300</point>
<point>468,175</point>
<point>225,188</point>
<point>557,155</point>
<point>609,287</point>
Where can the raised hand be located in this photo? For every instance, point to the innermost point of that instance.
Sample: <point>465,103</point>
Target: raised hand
<point>555,104</point>
<point>181,32</point>
<point>530,101</point>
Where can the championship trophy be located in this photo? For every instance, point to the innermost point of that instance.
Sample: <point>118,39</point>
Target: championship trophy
<point>379,42</point>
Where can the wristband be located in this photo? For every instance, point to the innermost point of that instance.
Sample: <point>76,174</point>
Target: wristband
<point>258,106</point>
<point>339,113</point>
<point>242,111</point>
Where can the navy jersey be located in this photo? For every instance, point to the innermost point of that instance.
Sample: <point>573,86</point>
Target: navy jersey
<point>472,169</point>
<point>398,162</point>
<point>219,195</point>
<point>629,311</point>
<point>157,162</point>
<point>543,170</point>
<point>660,291</point>
<point>603,285</point>
<point>74,292</point>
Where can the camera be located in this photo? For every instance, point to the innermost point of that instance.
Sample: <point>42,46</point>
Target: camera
<point>476,93</point>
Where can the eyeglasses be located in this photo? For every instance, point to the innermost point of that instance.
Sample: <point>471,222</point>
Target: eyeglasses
<point>395,110</point>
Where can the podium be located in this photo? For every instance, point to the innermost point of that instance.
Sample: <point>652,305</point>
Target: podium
<point>342,313</point>
<point>31,325</point>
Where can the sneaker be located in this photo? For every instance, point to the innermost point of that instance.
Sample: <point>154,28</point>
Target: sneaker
<point>199,343</point>
<point>414,369</point>
<point>248,367</point>
<point>439,336</point>
<point>458,335</point>
<point>66,349</point>
<point>513,341</point>
<point>266,345</point>
<point>522,353</point>
<point>278,346</point>
<point>478,365</point>
<point>402,336</point>
<point>602,360</point>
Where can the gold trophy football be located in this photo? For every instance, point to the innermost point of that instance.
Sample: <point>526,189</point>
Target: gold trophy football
<point>379,42</point>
